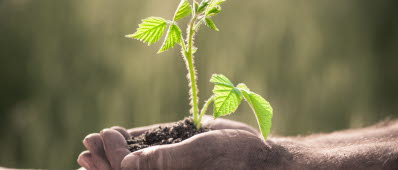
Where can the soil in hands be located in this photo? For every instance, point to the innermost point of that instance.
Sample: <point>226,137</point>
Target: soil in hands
<point>162,135</point>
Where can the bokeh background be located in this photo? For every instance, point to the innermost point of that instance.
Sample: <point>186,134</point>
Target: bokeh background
<point>66,69</point>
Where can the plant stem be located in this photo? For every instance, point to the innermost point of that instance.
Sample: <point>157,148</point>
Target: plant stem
<point>192,71</point>
<point>204,109</point>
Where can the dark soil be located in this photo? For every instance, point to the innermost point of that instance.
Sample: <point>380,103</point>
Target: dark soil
<point>174,133</point>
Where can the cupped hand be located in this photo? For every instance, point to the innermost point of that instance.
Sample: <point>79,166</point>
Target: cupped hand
<point>230,147</point>
<point>218,149</point>
<point>107,149</point>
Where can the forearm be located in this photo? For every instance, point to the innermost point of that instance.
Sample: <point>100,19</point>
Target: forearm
<point>373,147</point>
<point>381,132</point>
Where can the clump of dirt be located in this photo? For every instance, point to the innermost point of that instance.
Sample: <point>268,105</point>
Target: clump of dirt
<point>174,133</point>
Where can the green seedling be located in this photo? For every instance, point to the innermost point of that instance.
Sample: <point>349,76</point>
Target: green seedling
<point>226,96</point>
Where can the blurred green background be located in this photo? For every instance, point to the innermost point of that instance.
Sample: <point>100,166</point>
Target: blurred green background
<point>66,69</point>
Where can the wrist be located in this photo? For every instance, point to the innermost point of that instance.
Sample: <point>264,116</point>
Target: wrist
<point>286,154</point>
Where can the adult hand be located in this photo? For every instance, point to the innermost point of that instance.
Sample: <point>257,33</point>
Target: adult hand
<point>96,158</point>
<point>374,147</point>
<point>218,149</point>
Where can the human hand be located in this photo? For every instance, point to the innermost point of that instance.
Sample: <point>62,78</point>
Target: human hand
<point>95,157</point>
<point>374,147</point>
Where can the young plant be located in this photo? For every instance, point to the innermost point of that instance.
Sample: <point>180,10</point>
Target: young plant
<point>226,97</point>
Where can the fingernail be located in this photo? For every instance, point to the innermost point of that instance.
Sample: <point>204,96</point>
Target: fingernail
<point>86,140</point>
<point>91,140</point>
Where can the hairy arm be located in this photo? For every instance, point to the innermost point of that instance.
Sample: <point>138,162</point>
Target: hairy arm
<point>374,147</point>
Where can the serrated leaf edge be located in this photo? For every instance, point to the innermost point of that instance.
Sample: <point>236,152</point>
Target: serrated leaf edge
<point>137,34</point>
<point>182,10</point>
<point>179,41</point>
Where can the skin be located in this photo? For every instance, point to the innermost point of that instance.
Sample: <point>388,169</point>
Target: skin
<point>234,145</point>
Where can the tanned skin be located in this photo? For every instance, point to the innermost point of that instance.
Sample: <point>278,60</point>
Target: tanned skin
<point>234,145</point>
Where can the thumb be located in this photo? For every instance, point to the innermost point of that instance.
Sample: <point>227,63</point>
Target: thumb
<point>156,157</point>
<point>217,149</point>
<point>115,147</point>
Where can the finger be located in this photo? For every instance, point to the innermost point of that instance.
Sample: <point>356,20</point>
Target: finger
<point>183,155</point>
<point>85,160</point>
<point>122,131</point>
<point>94,144</point>
<point>199,152</point>
<point>151,158</point>
<point>115,147</point>
<point>219,123</point>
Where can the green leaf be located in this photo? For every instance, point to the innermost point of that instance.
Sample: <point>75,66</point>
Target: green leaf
<point>210,24</point>
<point>226,97</point>
<point>196,6</point>
<point>173,36</point>
<point>183,10</point>
<point>214,11</point>
<point>150,30</point>
<point>242,86</point>
<point>202,6</point>
<point>220,79</point>
<point>261,108</point>
<point>213,4</point>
